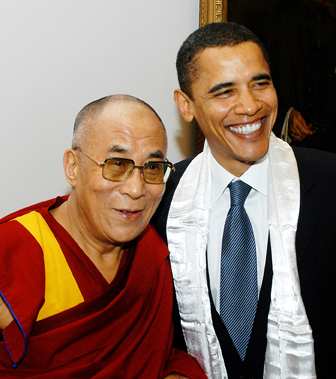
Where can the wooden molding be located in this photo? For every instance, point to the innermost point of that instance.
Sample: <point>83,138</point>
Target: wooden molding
<point>212,11</point>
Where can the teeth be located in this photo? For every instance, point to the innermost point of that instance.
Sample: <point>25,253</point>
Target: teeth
<point>130,212</point>
<point>247,128</point>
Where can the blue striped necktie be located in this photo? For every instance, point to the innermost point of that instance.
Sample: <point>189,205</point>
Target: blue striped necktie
<point>239,281</point>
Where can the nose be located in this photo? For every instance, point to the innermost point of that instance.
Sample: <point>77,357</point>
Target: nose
<point>134,186</point>
<point>247,103</point>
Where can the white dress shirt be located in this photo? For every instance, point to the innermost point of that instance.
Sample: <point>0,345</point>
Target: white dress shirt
<point>256,208</point>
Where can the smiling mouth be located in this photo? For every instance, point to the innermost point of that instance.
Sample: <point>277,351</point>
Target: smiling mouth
<point>247,128</point>
<point>129,212</point>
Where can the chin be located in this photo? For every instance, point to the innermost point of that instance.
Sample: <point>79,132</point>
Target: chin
<point>250,159</point>
<point>257,152</point>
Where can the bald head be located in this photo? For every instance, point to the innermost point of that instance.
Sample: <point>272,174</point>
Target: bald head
<point>87,118</point>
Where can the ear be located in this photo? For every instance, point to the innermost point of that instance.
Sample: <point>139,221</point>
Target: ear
<point>70,164</point>
<point>184,104</point>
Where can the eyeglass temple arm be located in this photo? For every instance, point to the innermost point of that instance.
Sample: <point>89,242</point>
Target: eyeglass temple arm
<point>89,156</point>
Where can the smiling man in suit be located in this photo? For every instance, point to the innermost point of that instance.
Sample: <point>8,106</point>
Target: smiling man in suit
<point>250,223</point>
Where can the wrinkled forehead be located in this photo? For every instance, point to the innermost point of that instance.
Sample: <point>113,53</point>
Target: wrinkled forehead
<point>130,126</point>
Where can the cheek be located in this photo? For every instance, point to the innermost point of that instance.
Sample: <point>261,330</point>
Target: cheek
<point>102,198</point>
<point>272,101</point>
<point>213,122</point>
<point>103,187</point>
<point>159,194</point>
<point>275,106</point>
<point>224,107</point>
<point>218,110</point>
<point>274,113</point>
<point>156,196</point>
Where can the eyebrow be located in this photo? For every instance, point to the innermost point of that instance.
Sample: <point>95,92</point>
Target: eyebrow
<point>262,77</point>
<point>119,149</point>
<point>221,86</point>
<point>157,154</point>
<point>230,84</point>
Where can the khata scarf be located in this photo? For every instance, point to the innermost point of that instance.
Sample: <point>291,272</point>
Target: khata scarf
<point>290,346</point>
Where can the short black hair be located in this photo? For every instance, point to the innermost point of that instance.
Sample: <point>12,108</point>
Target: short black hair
<point>217,34</point>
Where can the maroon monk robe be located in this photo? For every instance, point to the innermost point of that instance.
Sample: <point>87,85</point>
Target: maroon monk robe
<point>124,330</point>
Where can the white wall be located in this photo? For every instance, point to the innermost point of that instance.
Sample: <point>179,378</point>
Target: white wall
<point>57,56</point>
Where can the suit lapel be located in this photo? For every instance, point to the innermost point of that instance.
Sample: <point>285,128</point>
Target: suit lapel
<point>310,206</point>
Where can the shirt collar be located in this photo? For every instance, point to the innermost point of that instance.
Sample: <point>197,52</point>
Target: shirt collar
<point>255,176</point>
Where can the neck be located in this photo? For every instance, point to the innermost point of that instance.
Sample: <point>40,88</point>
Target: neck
<point>105,256</point>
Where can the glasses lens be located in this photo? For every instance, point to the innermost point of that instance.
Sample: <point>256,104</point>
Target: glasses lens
<point>156,172</point>
<point>117,170</point>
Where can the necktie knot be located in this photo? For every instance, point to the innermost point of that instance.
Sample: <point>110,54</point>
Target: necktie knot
<point>238,192</point>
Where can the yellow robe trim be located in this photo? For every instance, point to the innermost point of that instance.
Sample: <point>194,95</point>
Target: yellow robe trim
<point>61,289</point>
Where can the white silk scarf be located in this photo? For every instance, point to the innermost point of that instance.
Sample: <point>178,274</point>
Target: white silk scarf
<point>290,345</point>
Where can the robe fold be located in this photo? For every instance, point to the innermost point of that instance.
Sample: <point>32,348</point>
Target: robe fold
<point>77,325</point>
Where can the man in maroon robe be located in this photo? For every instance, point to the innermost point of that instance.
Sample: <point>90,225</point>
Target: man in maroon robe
<point>85,282</point>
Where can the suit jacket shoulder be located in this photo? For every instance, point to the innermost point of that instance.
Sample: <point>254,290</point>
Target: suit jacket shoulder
<point>159,219</point>
<point>315,165</point>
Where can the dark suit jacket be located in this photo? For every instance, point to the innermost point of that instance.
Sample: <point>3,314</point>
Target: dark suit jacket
<point>316,258</point>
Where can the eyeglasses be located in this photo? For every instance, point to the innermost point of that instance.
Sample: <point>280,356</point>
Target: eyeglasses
<point>119,169</point>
